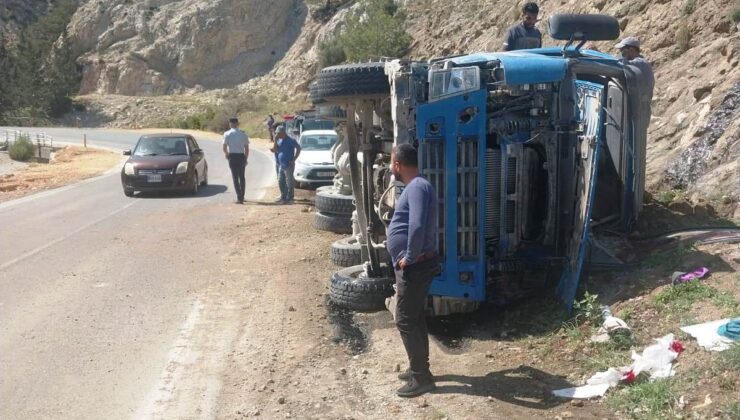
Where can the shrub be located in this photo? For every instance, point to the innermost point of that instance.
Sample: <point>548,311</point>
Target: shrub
<point>735,15</point>
<point>378,32</point>
<point>22,149</point>
<point>688,7</point>
<point>331,52</point>
<point>683,38</point>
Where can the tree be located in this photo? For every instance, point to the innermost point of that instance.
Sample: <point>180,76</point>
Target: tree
<point>378,31</point>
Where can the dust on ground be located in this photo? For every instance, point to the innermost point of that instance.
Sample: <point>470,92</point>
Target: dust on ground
<point>70,165</point>
<point>293,356</point>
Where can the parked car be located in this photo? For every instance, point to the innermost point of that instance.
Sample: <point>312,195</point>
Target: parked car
<point>314,166</point>
<point>162,162</point>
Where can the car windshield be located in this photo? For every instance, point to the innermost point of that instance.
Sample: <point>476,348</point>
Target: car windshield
<point>318,141</point>
<point>156,146</point>
<point>309,124</point>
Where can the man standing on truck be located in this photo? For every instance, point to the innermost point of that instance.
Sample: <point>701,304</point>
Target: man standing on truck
<point>412,244</point>
<point>288,150</point>
<point>630,49</point>
<point>236,150</point>
<point>524,35</point>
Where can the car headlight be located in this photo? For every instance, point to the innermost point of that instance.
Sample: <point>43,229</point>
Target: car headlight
<point>182,167</point>
<point>128,168</point>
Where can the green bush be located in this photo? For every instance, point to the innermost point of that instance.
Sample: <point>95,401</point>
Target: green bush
<point>688,7</point>
<point>331,52</point>
<point>22,149</point>
<point>735,15</point>
<point>683,38</point>
<point>378,32</point>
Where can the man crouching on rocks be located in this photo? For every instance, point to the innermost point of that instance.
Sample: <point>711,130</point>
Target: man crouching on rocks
<point>412,244</point>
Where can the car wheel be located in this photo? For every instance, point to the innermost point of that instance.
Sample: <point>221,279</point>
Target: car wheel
<point>194,183</point>
<point>352,289</point>
<point>364,80</point>
<point>205,177</point>
<point>329,201</point>
<point>128,193</point>
<point>333,223</point>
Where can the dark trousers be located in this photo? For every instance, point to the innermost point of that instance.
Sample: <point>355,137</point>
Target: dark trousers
<point>237,164</point>
<point>412,288</point>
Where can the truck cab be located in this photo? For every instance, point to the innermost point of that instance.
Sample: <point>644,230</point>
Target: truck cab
<point>528,151</point>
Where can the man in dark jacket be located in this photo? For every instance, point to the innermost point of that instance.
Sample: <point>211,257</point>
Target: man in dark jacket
<point>524,35</point>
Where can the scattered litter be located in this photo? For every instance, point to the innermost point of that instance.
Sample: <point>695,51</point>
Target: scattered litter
<point>611,327</point>
<point>656,360</point>
<point>681,277</point>
<point>730,330</point>
<point>707,335</point>
<point>582,392</point>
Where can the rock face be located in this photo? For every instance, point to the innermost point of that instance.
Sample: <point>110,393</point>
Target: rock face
<point>164,46</point>
<point>17,13</point>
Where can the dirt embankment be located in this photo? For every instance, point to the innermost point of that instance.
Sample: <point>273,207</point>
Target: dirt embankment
<point>70,165</point>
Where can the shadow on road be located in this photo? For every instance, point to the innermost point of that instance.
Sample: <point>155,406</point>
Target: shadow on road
<point>204,191</point>
<point>277,203</point>
<point>524,386</point>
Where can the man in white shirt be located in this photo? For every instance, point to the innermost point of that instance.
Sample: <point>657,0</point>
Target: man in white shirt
<point>236,150</point>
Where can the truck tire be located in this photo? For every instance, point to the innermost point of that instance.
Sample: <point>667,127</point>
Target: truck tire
<point>313,94</point>
<point>329,201</point>
<point>350,289</point>
<point>364,80</point>
<point>333,223</point>
<point>347,252</point>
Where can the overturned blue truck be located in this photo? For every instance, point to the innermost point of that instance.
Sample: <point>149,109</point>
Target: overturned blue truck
<point>535,156</point>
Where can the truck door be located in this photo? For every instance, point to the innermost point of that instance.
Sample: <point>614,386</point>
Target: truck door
<point>589,121</point>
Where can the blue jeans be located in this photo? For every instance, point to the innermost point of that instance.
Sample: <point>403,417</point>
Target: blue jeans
<point>286,183</point>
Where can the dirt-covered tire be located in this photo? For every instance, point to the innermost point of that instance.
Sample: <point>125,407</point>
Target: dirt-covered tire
<point>351,289</point>
<point>333,223</point>
<point>329,201</point>
<point>347,252</point>
<point>361,80</point>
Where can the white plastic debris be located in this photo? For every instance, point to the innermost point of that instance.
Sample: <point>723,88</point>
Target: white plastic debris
<point>611,326</point>
<point>657,360</point>
<point>582,392</point>
<point>706,335</point>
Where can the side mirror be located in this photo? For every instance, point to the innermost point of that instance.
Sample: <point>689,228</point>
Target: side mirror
<point>197,151</point>
<point>127,153</point>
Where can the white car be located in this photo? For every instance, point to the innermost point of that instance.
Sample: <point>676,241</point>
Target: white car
<point>314,166</point>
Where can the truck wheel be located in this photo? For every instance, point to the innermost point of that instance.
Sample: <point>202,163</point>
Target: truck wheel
<point>329,201</point>
<point>350,288</point>
<point>347,252</point>
<point>333,223</point>
<point>364,80</point>
<point>313,93</point>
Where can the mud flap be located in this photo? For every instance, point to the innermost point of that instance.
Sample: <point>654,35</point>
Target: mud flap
<point>589,117</point>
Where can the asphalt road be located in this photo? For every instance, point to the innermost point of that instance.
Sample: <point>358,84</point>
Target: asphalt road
<point>97,288</point>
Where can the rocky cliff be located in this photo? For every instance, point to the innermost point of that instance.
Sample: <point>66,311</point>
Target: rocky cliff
<point>17,13</point>
<point>166,46</point>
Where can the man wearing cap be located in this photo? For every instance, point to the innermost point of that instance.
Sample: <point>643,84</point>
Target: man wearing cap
<point>630,49</point>
<point>287,150</point>
<point>524,35</point>
<point>236,151</point>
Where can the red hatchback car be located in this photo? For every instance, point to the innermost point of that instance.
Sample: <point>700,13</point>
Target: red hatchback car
<point>162,162</point>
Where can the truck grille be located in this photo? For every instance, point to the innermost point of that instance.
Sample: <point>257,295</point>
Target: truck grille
<point>467,197</point>
<point>493,194</point>
<point>433,167</point>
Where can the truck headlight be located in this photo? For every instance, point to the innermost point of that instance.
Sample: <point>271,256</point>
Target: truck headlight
<point>182,167</point>
<point>128,169</point>
<point>445,83</point>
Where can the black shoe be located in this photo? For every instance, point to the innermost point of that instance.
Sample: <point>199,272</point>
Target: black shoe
<point>406,375</point>
<point>415,387</point>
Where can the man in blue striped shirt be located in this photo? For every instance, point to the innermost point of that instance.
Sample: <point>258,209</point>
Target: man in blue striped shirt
<point>412,244</point>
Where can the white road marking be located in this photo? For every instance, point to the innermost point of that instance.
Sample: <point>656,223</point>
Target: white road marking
<point>62,238</point>
<point>180,354</point>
